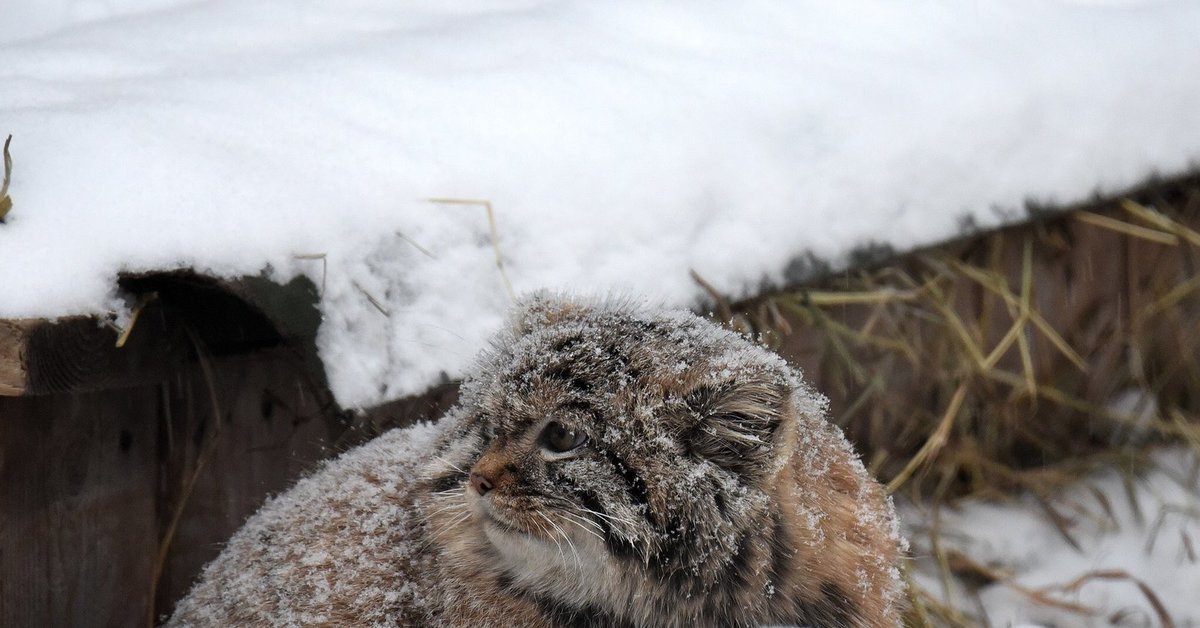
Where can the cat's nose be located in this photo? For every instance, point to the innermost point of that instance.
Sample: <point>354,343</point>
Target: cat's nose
<point>480,483</point>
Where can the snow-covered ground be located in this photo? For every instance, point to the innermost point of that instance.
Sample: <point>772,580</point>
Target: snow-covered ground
<point>622,143</point>
<point>1151,540</point>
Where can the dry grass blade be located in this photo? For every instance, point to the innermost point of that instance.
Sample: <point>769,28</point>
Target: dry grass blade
<point>941,304</point>
<point>997,286</point>
<point>1187,429</point>
<point>851,298</point>
<point>1125,228</point>
<point>721,303</point>
<point>936,440</point>
<point>778,322</point>
<point>142,301</point>
<point>926,610</point>
<point>493,233</point>
<point>1060,522</point>
<point>1024,309</point>
<point>1006,343</point>
<point>1070,401</point>
<point>424,251</point>
<point>324,265</point>
<point>1040,596</point>
<point>207,450</point>
<point>816,317</point>
<point>1164,617</point>
<point>5,201</point>
<point>941,557</point>
<point>1162,222</point>
<point>372,300</point>
<point>1171,298</point>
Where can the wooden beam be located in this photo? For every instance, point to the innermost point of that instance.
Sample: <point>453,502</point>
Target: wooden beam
<point>13,340</point>
<point>79,354</point>
<point>179,314</point>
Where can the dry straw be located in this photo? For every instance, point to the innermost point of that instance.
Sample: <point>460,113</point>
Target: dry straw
<point>1017,360</point>
<point>6,201</point>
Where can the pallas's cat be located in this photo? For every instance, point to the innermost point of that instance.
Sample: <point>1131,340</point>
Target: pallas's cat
<point>607,465</point>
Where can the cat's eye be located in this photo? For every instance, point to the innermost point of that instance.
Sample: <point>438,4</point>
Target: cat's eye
<point>559,438</point>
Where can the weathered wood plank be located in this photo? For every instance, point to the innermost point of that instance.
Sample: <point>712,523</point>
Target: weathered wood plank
<point>13,337</point>
<point>179,311</point>
<point>79,354</point>
<point>269,426</point>
<point>104,520</point>
<point>76,508</point>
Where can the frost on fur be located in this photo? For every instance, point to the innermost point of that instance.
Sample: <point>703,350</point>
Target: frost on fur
<point>608,464</point>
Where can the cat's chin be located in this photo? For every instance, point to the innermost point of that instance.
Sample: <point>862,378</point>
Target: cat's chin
<point>519,549</point>
<point>499,530</point>
<point>548,548</point>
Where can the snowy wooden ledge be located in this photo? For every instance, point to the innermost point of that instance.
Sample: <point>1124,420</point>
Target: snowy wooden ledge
<point>78,354</point>
<point>1053,322</point>
<point>177,313</point>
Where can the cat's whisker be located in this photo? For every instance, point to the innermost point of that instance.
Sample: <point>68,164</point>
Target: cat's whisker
<point>446,462</point>
<point>451,506</point>
<point>546,532</point>
<point>566,538</point>
<point>446,508</point>
<point>451,524</point>
<point>585,524</point>
<point>629,522</point>
<point>582,523</point>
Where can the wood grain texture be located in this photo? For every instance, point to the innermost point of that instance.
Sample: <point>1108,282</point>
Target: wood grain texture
<point>124,469</point>
<point>90,483</point>
<point>13,337</point>
<point>79,354</point>
<point>76,508</point>
<point>179,311</point>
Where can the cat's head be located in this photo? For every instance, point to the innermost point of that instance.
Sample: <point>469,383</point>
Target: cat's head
<point>602,448</point>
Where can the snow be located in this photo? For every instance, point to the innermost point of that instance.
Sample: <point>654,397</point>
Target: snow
<point>349,526</point>
<point>1155,541</point>
<point>621,143</point>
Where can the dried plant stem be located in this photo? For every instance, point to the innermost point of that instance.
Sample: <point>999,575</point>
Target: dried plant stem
<point>324,265</point>
<point>493,233</point>
<point>142,301</point>
<point>207,450</point>
<point>1161,221</point>
<point>1160,610</point>
<point>5,200</point>
<point>999,364</point>
<point>1113,224</point>
<point>936,441</point>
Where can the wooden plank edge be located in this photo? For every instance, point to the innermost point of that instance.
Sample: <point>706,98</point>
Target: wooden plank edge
<point>14,339</point>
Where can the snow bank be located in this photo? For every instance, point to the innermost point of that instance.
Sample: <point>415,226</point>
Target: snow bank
<point>622,144</point>
<point>1155,540</point>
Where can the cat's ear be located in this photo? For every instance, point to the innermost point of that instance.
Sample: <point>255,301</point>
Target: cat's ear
<point>740,426</point>
<point>543,309</point>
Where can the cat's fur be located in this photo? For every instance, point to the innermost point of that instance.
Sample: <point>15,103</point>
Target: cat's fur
<point>709,492</point>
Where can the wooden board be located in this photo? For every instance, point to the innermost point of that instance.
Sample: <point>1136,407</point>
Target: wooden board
<point>93,484</point>
<point>13,335</point>
<point>176,312</point>
<point>77,522</point>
